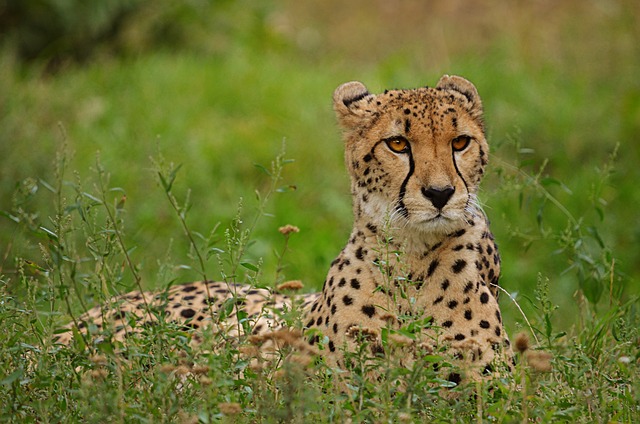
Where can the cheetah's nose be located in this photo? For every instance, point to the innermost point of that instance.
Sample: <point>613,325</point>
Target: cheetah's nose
<point>438,197</point>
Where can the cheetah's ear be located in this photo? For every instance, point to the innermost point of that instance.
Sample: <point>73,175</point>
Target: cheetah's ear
<point>466,88</point>
<point>349,102</point>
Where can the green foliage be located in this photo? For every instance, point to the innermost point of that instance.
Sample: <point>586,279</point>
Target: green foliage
<point>56,32</point>
<point>208,89</point>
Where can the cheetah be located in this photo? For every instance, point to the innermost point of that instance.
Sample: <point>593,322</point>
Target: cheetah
<point>420,245</point>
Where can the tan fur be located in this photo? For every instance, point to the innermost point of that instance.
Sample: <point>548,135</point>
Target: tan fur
<point>414,251</point>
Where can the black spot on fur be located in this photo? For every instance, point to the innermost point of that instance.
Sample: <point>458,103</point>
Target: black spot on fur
<point>484,324</point>
<point>467,314</point>
<point>377,349</point>
<point>447,324</point>
<point>484,298</point>
<point>445,285</point>
<point>355,284</point>
<point>347,300</point>
<point>344,263</point>
<point>468,287</point>
<point>452,304</point>
<point>458,266</point>
<point>459,337</point>
<point>188,289</point>
<point>187,313</point>
<point>119,315</point>
<point>454,377</point>
<point>369,310</point>
<point>432,267</point>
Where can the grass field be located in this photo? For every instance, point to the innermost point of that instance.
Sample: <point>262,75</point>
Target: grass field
<point>562,100</point>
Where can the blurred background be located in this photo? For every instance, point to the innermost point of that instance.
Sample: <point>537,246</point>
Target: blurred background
<point>217,86</point>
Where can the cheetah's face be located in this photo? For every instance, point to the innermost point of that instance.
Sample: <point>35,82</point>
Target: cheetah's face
<point>415,156</point>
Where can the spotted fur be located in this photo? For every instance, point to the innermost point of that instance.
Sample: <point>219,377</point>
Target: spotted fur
<point>420,245</point>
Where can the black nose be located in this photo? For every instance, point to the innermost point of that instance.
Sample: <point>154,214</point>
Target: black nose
<point>438,197</point>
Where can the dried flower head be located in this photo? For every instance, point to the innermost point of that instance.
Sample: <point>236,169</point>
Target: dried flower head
<point>167,368</point>
<point>99,374</point>
<point>251,350</point>
<point>389,318</point>
<point>362,333</point>
<point>182,370</point>
<point>230,408</point>
<point>290,285</point>
<point>285,337</point>
<point>184,418</point>
<point>400,339</point>
<point>539,360</point>
<point>288,229</point>
<point>404,417</point>
<point>522,342</point>
<point>301,359</point>
<point>200,369</point>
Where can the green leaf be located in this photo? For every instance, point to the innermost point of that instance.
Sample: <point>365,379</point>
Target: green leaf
<point>250,266</point>
<point>8,380</point>
<point>594,233</point>
<point>167,183</point>
<point>262,168</point>
<point>92,197</point>
<point>11,217</point>
<point>50,234</point>
<point>592,289</point>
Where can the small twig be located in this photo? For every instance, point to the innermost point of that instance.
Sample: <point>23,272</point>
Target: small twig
<point>520,309</point>
<point>118,234</point>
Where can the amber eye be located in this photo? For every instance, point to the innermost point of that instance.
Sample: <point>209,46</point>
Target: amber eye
<point>460,143</point>
<point>398,144</point>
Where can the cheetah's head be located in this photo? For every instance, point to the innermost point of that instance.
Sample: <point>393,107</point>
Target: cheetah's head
<point>415,157</point>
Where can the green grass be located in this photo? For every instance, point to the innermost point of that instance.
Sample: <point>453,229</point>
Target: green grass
<point>562,103</point>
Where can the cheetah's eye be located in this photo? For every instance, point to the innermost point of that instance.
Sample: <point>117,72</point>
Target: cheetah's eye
<point>398,144</point>
<point>460,143</point>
